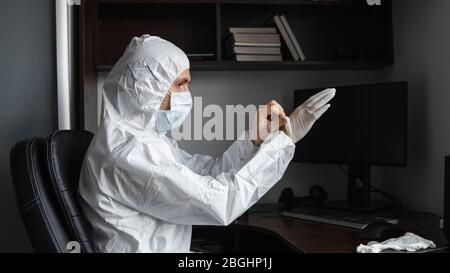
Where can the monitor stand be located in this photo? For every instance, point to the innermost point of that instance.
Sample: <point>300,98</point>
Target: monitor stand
<point>358,192</point>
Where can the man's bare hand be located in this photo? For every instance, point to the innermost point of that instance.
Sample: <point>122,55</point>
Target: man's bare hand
<point>269,118</point>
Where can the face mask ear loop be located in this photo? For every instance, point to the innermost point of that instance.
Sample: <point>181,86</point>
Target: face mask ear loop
<point>170,95</point>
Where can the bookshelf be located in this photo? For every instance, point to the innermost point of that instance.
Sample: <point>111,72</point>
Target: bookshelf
<point>335,35</point>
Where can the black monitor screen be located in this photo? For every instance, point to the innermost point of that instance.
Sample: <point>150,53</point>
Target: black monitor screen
<point>365,125</point>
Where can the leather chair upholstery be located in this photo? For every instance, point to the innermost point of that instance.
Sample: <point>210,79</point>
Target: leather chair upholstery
<point>45,174</point>
<point>65,155</point>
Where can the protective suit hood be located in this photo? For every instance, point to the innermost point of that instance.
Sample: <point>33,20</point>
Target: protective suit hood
<point>138,83</point>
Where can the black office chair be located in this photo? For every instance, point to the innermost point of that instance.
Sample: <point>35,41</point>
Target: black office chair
<point>45,174</point>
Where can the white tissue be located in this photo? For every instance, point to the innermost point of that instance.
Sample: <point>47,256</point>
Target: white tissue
<point>409,242</point>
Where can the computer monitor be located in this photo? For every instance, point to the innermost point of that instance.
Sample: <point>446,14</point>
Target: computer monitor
<point>365,126</point>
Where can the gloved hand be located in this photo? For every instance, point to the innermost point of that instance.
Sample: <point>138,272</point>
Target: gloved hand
<point>303,118</point>
<point>268,119</point>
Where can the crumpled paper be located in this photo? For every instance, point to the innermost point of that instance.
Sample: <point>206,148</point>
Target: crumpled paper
<point>409,242</point>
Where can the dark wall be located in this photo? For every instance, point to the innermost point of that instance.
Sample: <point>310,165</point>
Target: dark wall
<point>422,57</point>
<point>28,96</point>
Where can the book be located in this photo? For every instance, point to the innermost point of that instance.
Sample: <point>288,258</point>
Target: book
<point>254,30</point>
<point>293,38</point>
<point>286,38</point>
<point>255,44</point>
<point>247,50</point>
<point>250,38</point>
<point>258,58</point>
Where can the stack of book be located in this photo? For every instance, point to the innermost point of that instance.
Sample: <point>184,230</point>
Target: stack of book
<point>253,44</point>
<point>264,43</point>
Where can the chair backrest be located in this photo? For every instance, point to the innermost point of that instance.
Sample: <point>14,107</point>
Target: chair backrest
<point>45,174</point>
<point>65,155</point>
<point>35,198</point>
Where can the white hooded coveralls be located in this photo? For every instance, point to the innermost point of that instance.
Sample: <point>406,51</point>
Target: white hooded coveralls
<point>138,190</point>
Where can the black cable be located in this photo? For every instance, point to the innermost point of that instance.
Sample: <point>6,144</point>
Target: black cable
<point>390,196</point>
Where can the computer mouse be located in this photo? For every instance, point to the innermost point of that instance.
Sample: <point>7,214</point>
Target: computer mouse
<point>381,231</point>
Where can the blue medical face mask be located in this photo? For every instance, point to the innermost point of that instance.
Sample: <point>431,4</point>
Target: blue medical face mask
<point>180,107</point>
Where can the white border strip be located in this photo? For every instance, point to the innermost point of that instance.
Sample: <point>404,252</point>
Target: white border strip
<point>62,59</point>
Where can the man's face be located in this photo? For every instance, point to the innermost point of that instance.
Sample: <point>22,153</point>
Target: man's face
<point>181,84</point>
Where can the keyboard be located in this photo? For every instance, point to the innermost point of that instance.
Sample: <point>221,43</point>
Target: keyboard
<point>339,218</point>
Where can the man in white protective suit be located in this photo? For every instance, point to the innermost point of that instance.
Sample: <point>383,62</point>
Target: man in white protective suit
<point>139,191</point>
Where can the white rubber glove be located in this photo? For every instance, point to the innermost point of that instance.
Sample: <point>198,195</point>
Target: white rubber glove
<point>409,242</point>
<point>303,118</point>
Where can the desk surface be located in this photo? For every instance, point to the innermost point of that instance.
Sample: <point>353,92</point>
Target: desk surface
<point>307,236</point>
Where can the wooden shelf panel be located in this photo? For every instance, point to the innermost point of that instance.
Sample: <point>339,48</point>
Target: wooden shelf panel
<point>348,30</point>
<point>191,27</point>
<point>287,65</point>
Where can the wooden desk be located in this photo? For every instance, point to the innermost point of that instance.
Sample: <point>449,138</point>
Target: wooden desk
<point>262,229</point>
